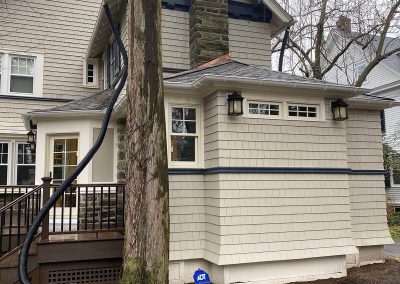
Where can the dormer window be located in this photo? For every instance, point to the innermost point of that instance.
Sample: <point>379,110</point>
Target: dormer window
<point>113,61</point>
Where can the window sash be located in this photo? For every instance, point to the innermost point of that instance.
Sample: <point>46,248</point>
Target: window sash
<point>310,111</point>
<point>5,162</point>
<point>265,109</point>
<point>195,136</point>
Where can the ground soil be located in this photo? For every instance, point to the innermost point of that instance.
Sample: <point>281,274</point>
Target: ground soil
<point>385,273</point>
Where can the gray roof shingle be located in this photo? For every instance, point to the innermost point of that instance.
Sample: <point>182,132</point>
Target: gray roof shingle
<point>97,102</point>
<point>237,69</point>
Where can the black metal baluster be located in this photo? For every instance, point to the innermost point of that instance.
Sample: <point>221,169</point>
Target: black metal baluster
<point>19,224</point>
<point>70,208</point>
<point>86,209</point>
<point>101,208</point>
<point>116,207</point>
<point>62,212</point>
<point>5,197</point>
<point>94,206</point>
<point>2,219</point>
<point>54,218</point>
<point>28,211</point>
<point>10,229</point>
<point>79,208</point>
<point>109,206</point>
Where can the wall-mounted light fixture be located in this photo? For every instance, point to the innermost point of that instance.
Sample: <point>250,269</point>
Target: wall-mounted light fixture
<point>31,137</point>
<point>235,104</point>
<point>339,110</point>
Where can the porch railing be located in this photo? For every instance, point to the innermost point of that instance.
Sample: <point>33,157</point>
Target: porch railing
<point>17,216</point>
<point>83,208</point>
<point>11,192</point>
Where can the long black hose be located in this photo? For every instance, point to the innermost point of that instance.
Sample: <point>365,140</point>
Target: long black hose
<point>23,258</point>
<point>284,44</point>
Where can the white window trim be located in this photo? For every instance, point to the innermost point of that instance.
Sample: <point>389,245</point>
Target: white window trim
<point>198,141</point>
<point>247,109</point>
<point>6,73</point>
<point>318,112</point>
<point>16,162</point>
<point>8,161</point>
<point>284,110</point>
<point>95,62</point>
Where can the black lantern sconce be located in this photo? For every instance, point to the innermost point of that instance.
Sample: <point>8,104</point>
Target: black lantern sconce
<point>339,110</point>
<point>235,104</point>
<point>31,135</point>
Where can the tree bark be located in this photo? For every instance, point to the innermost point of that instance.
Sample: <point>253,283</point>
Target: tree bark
<point>146,248</point>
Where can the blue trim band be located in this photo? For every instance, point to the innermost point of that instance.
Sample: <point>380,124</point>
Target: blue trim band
<point>272,170</point>
<point>236,10</point>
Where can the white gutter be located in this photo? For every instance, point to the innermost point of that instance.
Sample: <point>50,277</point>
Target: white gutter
<point>264,82</point>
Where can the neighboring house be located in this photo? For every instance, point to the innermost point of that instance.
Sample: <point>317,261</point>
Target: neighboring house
<point>280,193</point>
<point>384,79</point>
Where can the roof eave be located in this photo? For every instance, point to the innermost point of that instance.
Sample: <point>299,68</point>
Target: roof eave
<point>348,91</point>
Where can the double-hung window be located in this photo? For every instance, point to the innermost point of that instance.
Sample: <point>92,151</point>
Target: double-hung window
<point>25,165</point>
<point>22,75</point>
<point>113,61</point>
<point>4,162</point>
<point>184,135</point>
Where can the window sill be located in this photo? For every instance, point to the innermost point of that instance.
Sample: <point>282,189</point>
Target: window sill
<point>91,86</point>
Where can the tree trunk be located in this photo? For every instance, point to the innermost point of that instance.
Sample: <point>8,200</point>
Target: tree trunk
<point>146,248</point>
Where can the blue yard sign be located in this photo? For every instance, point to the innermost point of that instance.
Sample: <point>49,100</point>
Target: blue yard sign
<point>201,277</point>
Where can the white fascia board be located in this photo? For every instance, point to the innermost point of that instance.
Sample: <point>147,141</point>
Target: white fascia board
<point>391,87</point>
<point>371,104</point>
<point>278,11</point>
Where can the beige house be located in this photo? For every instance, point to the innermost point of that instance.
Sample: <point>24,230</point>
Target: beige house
<point>280,192</point>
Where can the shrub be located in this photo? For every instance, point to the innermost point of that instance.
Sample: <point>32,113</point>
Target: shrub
<point>394,220</point>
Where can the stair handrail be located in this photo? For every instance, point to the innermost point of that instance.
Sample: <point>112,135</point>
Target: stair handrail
<point>21,198</point>
<point>23,258</point>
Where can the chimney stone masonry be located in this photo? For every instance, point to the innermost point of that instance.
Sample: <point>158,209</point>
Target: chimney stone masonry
<point>209,37</point>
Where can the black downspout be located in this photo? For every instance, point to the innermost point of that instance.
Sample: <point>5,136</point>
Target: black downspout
<point>284,44</point>
<point>23,258</point>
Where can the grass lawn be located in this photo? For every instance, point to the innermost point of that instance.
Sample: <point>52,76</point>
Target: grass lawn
<point>395,232</point>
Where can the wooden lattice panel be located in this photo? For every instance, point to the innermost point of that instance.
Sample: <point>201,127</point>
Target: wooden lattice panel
<point>85,276</point>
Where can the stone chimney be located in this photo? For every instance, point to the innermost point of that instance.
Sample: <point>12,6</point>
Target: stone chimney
<point>208,31</point>
<point>344,24</point>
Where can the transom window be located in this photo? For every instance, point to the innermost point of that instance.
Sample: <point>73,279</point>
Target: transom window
<point>184,134</point>
<point>4,150</point>
<point>25,165</point>
<point>22,74</point>
<point>303,111</point>
<point>267,109</point>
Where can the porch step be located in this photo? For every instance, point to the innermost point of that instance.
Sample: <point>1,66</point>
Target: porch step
<point>91,255</point>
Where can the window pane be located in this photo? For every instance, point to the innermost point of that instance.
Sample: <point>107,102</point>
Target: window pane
<point>178,127</point>
<point>72,158</point>
<point>3,174</point>
<point>396,176</point>
<point>21,84</point>
<point>190,114</point>
<point>26,175</point>
<point>253,105</point>
<point>183,148</point>
<point>59,145</point>
<point>263,106</point>
<point>72,145</point>
<point>58,159</point>
<point>274,112</point>
<point>190,127</point>
<point>177,113</point>
<point>253,111</point>
<point>292,113</point>
<point>58,173</point>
